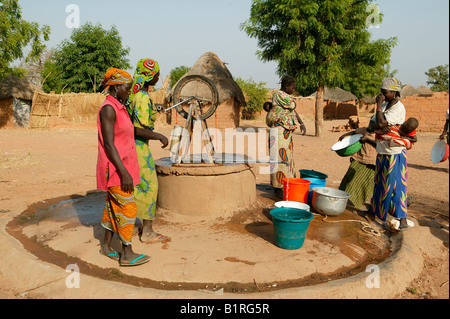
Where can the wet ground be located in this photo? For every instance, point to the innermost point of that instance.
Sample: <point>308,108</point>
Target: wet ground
<point>202,254</point>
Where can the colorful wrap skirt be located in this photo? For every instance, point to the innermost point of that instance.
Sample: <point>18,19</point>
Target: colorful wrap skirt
<point>281,148</point>
<point>146,192</point>
<point>359,183</point>
<point>390,191</point>
<point>119,214</point>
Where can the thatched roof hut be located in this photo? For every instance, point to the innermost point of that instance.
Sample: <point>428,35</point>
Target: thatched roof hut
<point>337,95</point>
<point>424,91</point>
<point>213,68</point>
<point>16,95</point>
<point>19,88</point>
<point>409,90</point>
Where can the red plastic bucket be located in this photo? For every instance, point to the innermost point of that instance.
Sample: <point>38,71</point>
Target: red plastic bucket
<point>296,189</point>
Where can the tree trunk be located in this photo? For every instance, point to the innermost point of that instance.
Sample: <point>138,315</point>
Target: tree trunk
<point>319,110</point>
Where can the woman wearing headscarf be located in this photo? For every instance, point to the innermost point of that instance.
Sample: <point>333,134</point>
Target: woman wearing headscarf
<point>143,112</point>
<point>117,168</point>
<point>281,119</point>
<point>390,191</point>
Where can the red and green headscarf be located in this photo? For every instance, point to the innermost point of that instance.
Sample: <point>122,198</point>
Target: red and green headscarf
<point>146,70</point>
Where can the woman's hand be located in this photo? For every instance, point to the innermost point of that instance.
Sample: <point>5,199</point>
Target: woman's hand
<point>380,99</point>
<point>303,129</point>
<point>164,141</point>
<point>127,182</point>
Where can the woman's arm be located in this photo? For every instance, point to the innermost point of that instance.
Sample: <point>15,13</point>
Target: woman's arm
<point>302,125</point>
<point>148,134</point>
<point>380,119</point>
<point>107,119</point>
<point>445,130</point>
<point>369,138</point>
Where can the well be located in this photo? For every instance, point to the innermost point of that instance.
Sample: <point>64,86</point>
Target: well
<point>205,190</point>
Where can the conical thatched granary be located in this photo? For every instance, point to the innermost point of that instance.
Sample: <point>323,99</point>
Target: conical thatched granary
<point>231,98</point>
<point>424,91</point>
<point>337,95</point>
<point>339,104</point>
<point>409,90</point>
<point>16,95</point>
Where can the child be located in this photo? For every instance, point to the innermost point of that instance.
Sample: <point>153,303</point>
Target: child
<point>400,135</point>
<point>268,106</point>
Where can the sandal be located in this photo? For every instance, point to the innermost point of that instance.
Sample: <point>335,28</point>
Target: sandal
<point>394,225</point>
<point>114,255</point>
<point>136,262</point>
<point>159,239</point>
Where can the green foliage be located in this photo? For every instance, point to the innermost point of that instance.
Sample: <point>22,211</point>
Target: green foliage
<point>80,63</point>
<point>15,35</point>
<point>51,76</point>
<point>177,73</point>
<point>256,95</point>
<point>320,43</point>
<point>438,78</point>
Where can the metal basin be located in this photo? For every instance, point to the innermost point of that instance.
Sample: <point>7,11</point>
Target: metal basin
<point>329,201</point>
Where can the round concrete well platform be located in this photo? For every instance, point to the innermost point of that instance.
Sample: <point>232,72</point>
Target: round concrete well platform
<point>236,252</point>
<point>205,190</point>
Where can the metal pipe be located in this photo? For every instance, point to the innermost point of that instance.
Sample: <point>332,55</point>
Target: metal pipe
<point>251,162</point>
<point>174,106</point>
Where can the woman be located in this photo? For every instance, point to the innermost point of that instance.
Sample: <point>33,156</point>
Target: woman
<point>281,120</point>
<point>446,132</point>
<point>359,179</point>
<point>117,168</point>
<point>143,112</point>
<point>390,191</point>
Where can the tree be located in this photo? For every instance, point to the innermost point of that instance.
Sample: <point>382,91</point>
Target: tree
<point>438,78</point>
<point>321,43</point>
<point>256,95</point>
<point>15,35</point>
<point>177,73</point>
<point>81,62</point>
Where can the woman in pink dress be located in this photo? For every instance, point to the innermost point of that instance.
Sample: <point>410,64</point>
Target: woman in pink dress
<point>118,168</point>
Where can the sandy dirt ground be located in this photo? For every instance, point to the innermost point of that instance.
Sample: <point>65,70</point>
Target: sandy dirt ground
<point>36,165</point>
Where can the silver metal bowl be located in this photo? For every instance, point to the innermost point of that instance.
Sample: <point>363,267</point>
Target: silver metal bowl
<point>329,201</point>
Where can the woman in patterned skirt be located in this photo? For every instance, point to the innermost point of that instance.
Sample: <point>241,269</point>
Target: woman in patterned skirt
<point>143,112</point>
<point>117,168</point>
<point>390,193</point>
<point>281,120</point>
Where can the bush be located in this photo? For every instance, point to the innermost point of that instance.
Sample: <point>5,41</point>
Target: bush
<point>256,95</point>
<point>177,73</point>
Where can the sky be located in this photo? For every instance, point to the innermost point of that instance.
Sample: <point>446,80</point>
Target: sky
<point>179,32</point>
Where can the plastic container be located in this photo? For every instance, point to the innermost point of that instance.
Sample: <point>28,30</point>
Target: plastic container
<point>348,146</point>
<point>296,189</point>
<point>290,226</point>
<point>315,182</point>
<point>175,139</point>
<point>304,173</point>
<point>291,204</point>
<point>439,152</point>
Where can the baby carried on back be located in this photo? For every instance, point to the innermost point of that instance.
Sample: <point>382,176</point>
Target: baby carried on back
<point>400,135</point>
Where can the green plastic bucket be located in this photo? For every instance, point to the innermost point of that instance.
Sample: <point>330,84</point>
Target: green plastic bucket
<point>290,226</point>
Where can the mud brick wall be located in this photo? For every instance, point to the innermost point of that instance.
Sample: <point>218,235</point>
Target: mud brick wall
<point>6,113</point>
<point>430,111</point>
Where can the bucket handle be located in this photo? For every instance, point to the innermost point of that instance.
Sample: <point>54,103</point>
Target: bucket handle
<point>270,206</point>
